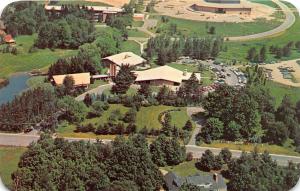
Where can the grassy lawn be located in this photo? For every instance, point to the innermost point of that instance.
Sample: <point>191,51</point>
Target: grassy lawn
<point>137,23</point>
<point>279,91</point>
<point>25,61</point>
<point>39,81</point>
<point>9,158</point>
<point>207,77</point>
<point>131,46</point>
<point>266,2</point>
<point>190,27</point>
<point>272,149</point>
<point>184,169</point>
<point>137,33</point>
<point>238,50</point>
<point>96,84</point>
<point>183,67</point>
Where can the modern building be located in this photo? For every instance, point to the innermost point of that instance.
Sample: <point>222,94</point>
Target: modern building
<point>100,12</point>
<point>209,182</point>
<point>164,75</point>
<point>80,79</point>
<point>223,6</point>
<point>114,62</point>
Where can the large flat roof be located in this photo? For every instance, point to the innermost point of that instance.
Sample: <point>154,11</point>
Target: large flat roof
<point>164,73</point>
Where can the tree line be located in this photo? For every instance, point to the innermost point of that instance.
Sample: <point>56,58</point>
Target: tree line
<point>168,49</point>
<point>261,55</point>
<point>33,107</point>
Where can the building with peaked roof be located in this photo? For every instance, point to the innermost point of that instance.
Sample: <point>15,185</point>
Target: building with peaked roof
<point>115,61</point>
<point>80,79</point>
<point>138,17</point>
<point>8,39</point>
<point>210,182</point>
<point>163,75</point>
<point>102,12</point>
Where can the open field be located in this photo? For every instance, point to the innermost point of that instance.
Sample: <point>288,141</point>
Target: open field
<point>25,61</point>
<point>238,50</point>
<point>279,91</point>
<point>277,76</point>
<point>272,149</point>
<point>131,46</point>
<point>182,9</point>
<point>190,27</point>
<point>9,158</point>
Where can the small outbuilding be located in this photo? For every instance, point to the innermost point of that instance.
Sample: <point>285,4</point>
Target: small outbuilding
<point>138,17</point>
<point>125,58</point>
<point>80,79</point>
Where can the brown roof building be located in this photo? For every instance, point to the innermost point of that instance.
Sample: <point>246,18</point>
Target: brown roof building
<point>125,58</point>
<point>8,39</point>
<point>80,79</point>
<point>164,75</point>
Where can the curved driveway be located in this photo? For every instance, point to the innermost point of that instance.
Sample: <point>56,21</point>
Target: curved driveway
<point>289,21</point>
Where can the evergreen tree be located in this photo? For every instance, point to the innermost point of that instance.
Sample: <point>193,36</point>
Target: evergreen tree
<point>123,80</point>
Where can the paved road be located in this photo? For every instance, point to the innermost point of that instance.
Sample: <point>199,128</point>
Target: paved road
<point>198,151</point>
<point>97,91</point>
<point>9,139</point>
<point>23,140</point>
<point>289,21</point>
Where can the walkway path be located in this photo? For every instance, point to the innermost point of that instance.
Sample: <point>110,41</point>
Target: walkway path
<point>289,21</point>
<point>97,91</point>
<point>191,111</point>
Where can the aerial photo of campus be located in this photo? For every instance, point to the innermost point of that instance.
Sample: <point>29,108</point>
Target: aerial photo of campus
<point>150,95</point>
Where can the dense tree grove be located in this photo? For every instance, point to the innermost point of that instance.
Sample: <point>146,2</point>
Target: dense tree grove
<point>125,165</point>
<point>249,114</point>
<point>68,29</point>
<point>24,18</point>
<point>169,49</point>
<point>255,171</point>
<point>33,107</point>
<point>68,32</point>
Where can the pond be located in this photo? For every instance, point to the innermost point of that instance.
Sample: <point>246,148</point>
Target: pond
<point>17,84</point>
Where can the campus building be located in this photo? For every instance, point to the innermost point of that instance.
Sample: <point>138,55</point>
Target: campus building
<point>114,62</point>
<point>80,79</point>
<point>164,75</point>
<point>101,13</point>
<point>223,6</point>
